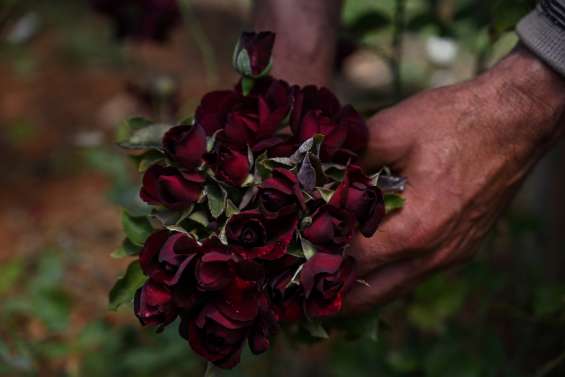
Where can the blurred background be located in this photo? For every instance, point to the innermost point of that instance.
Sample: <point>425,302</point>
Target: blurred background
<point>69,74</point>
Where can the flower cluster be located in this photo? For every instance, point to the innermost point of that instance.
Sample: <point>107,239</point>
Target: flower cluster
<point>255,202</point>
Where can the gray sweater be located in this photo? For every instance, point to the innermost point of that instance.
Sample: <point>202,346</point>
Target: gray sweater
<point>543,32</point>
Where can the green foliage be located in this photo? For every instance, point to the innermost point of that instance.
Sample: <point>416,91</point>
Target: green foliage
<point>137,229</point>
<point>393,202</point>
<point>126,286</point>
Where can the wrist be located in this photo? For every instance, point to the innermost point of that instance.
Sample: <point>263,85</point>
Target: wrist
<point>530,94</point>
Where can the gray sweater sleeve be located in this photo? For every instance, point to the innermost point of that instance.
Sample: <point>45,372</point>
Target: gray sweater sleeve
<point>543,32</point>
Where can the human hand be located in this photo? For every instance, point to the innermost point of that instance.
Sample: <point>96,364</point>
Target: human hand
<point>465,149</point>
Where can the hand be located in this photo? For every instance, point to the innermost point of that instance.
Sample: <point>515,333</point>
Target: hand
<point>465,149</point>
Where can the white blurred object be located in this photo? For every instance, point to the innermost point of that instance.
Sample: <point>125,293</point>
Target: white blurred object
<point>441,50</point>
<point>366,70</point>
<point>24,29</point>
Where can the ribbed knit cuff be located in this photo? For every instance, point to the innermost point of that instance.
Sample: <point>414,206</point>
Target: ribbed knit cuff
<point>543,32</point>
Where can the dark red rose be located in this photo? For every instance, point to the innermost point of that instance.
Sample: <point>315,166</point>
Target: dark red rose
<point>170,187</point>
<point>326,278</point>
<point>288,298</point>
<point>166,254</point>
<point>153,305</point>
<point>186,145</point>
<point>280,195</point>
<point>331,228</point>
<point>264,327</point>
<point>214,108</point>
<point>360,197</point>
<point>229,164</point>
<point>277,146</point>
<point>214,336</point>
<point>141,19</point>
<point>246,120</point>
<point>318,111</point>
<point>252,56</point>
<point>216,268</point>
<point>251,235</point>
<point>221,327</point>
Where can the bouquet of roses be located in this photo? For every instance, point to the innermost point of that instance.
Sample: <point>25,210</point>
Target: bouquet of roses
<point>253,204</point>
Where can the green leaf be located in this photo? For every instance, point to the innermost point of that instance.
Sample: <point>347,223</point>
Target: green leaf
<point>312,145</point>
<point>199,217</point>
<point>295,249</point>
<point>137,229</point>
<point>393,202</point>
<point>211,370</point>
<point>211,141</point>
<point>146,138</point>
<point>247,84</point>
<point>282,161</point>
<point>128,127</point>
<point>148,159</point>
<point>316,330</point>
<point>126,286</point>
<point>164,217</point>
<point>231,209</point>
<point>127,249</point>
<point>307,248</point>
<point>326,193</point>
<point>217,197</point>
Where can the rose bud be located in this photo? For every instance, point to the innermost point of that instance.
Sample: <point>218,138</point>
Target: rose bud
<point>251,235</point>
<point>153,305</point>
<point>186,145</point>
<point>216,268</point>
<point>356,194</point>
<point>331,228</point>
<point>170,187</point>
<point>214,336</point>
<point>166,254</point>
<point>229,164</point>
<point>326,278</point>
<point>252,55</point>
<point>280,195</point>
<point>141,19</point>
<point>318,111</point>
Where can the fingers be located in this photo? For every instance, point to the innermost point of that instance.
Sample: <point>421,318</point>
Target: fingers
<point>386,283</point>
<point>400,236</point>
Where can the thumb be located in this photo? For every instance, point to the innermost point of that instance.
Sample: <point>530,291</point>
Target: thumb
<point>391,133</point>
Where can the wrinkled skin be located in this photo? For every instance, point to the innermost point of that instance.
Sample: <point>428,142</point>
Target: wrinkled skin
<point>464,148</point>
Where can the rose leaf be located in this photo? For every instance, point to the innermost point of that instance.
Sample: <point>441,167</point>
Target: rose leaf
<point>126,286</point>
<point>126,249</point>
<point>137,229</point>
<point>217,197</point>
<point>146,138</point>
<point>393,202</point>
<point>307,174</point>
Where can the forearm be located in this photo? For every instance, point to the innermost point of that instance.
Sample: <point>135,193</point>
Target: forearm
<point>306,37</point>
